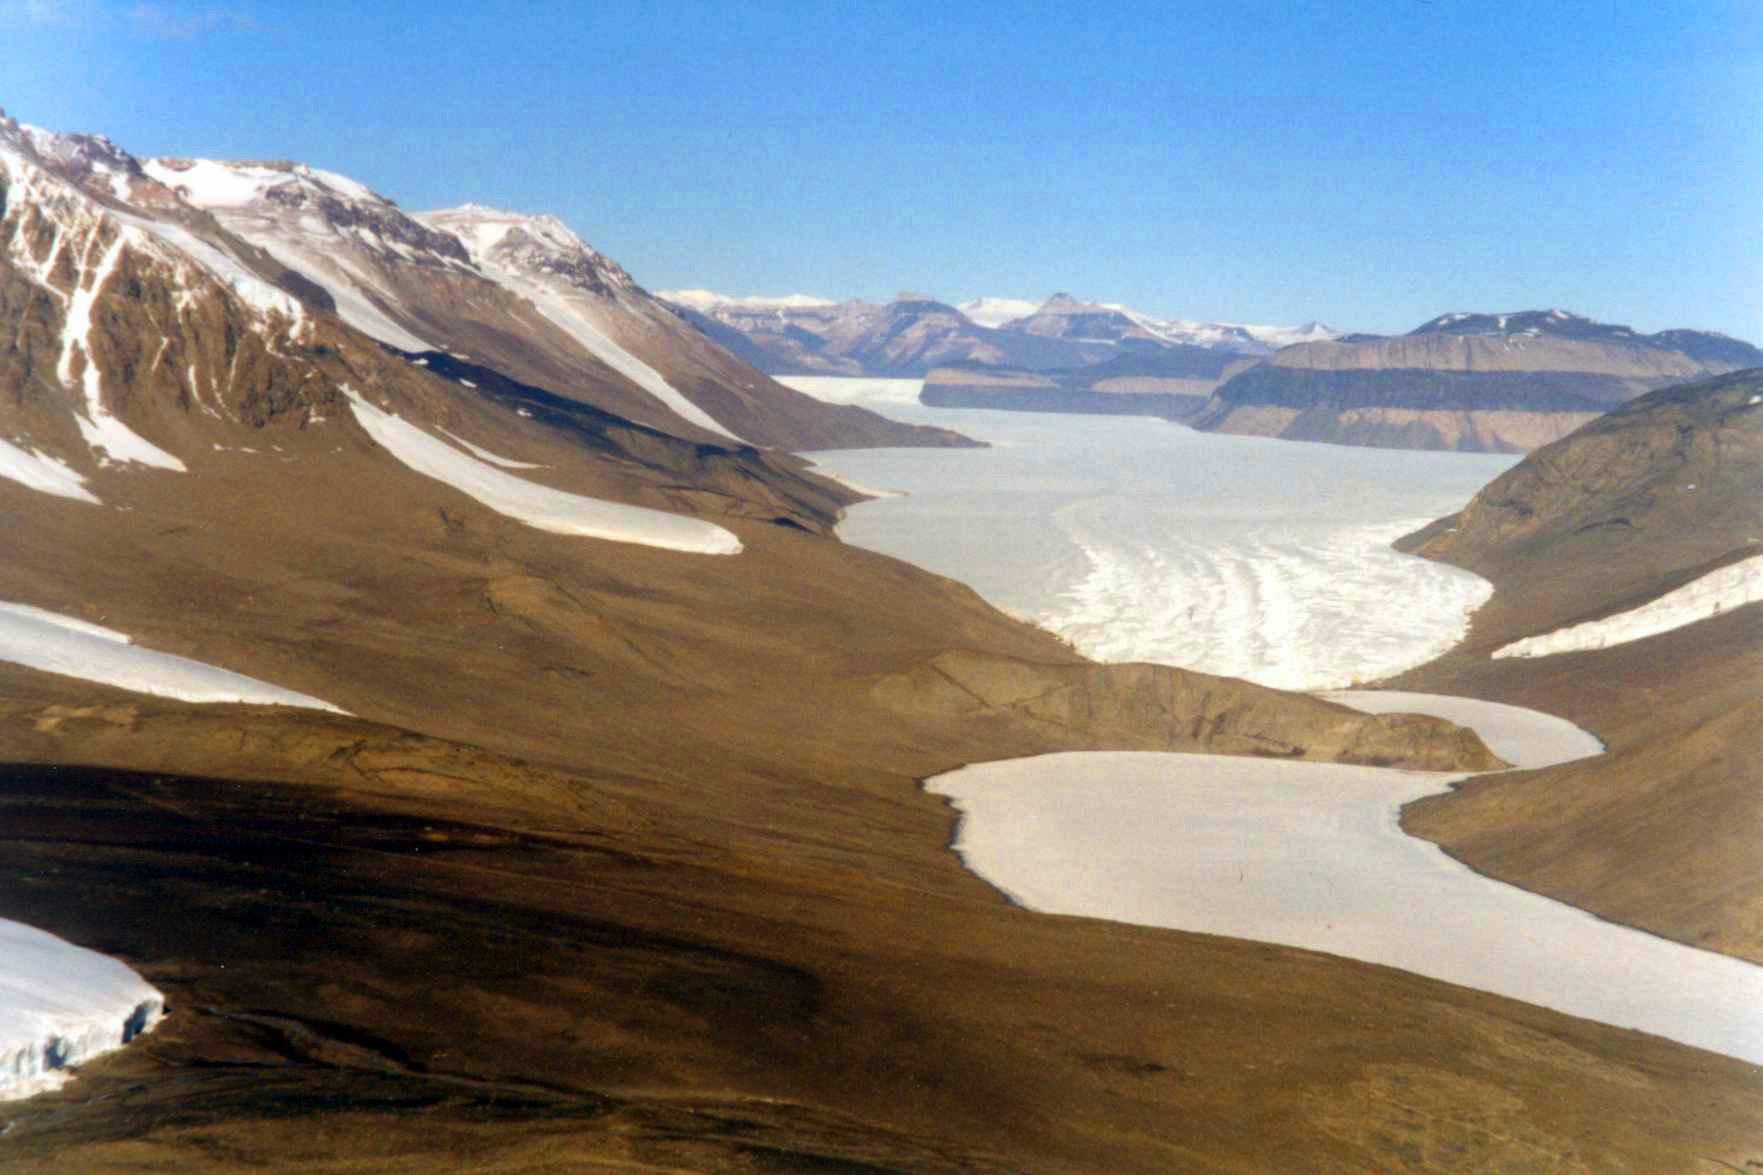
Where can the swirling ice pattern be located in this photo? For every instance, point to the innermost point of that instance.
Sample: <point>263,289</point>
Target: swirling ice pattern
<point>1297,607</point>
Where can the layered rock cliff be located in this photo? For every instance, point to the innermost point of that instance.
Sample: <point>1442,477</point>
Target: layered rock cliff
<point>1485,383</point>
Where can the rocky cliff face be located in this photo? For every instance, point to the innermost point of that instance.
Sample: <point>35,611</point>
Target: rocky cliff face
<point>1493,383</point>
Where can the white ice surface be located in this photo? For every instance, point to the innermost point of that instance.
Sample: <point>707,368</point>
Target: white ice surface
<point>820,470</point>
<point>537,505</point>
<point>60,1005</point>
<point>486,455</point>
<point>839,389</point>
<point>702,300</point>
<point>995,312</point>
<point>1732,586</point>
<point>41,472</point>
<point>1312,855</point>
<point>1141,540</point>
<point>54,643</point>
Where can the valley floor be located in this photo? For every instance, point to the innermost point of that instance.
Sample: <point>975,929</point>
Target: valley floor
<point>624,864</point>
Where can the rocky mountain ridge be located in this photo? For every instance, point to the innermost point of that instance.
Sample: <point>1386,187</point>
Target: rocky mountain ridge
<point>916,333</point>
<point>1473,382</point>
<point>338,247</point>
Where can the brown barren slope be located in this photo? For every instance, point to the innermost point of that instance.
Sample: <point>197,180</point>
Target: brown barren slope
<point>655,888</point>
<point>1665,831</point>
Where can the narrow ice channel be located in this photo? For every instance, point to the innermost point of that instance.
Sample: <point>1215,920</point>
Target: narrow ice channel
<point>1312,855</point>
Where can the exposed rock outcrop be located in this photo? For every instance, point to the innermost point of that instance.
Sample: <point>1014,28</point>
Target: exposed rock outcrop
<point>1489,383</point>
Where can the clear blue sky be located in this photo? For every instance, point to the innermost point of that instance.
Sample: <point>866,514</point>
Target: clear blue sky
<point>1371,163</point>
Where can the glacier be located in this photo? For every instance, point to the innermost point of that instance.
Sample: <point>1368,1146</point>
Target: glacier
<point>1141,540</point>
<point>61,1005</point>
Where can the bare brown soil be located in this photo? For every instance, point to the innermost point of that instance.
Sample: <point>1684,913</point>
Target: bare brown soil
<point>1665,831</point>
<point>625,867</point>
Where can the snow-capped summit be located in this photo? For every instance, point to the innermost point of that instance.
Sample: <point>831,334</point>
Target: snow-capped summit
<point>531,244</point>
<point>995,312</point>
<point>1241,337</point>
<point>334,231</point>
<point>703,301</point>
<point>209,183</point>
<point>1063,314</point>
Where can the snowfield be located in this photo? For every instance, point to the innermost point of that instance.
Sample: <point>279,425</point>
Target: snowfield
<point>536,505</point>
<point>1312,855</point>
<point>43,473</point>
<point>1732,586</point>
<point>61,1005</point>
<point>41,639</point>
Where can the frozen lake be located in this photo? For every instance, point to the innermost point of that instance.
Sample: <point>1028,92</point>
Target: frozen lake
<point>1139,539</point>
<point>1311,855</point>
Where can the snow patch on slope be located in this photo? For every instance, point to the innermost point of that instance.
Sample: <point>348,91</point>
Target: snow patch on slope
<point>1732,586</point>
<point>253,290</point>
<point>484,454</point>
<point>54,643</point>
<point>43,473</point>
<point>61,1005</point>
<point>536,505</point>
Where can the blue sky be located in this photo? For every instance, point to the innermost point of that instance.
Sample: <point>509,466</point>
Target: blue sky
<point>1370,163</point>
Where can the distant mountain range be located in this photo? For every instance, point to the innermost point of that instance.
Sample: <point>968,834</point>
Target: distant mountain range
<point>1484,382</point>
<point>915,333</point>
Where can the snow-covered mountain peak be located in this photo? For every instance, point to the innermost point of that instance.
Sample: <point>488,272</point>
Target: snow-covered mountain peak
<point>995,312</point>
<point>213,183</point>
<point>704,301</point>
<point>538,246</point>
<point>1063,303</point>
<point>91,162</point>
